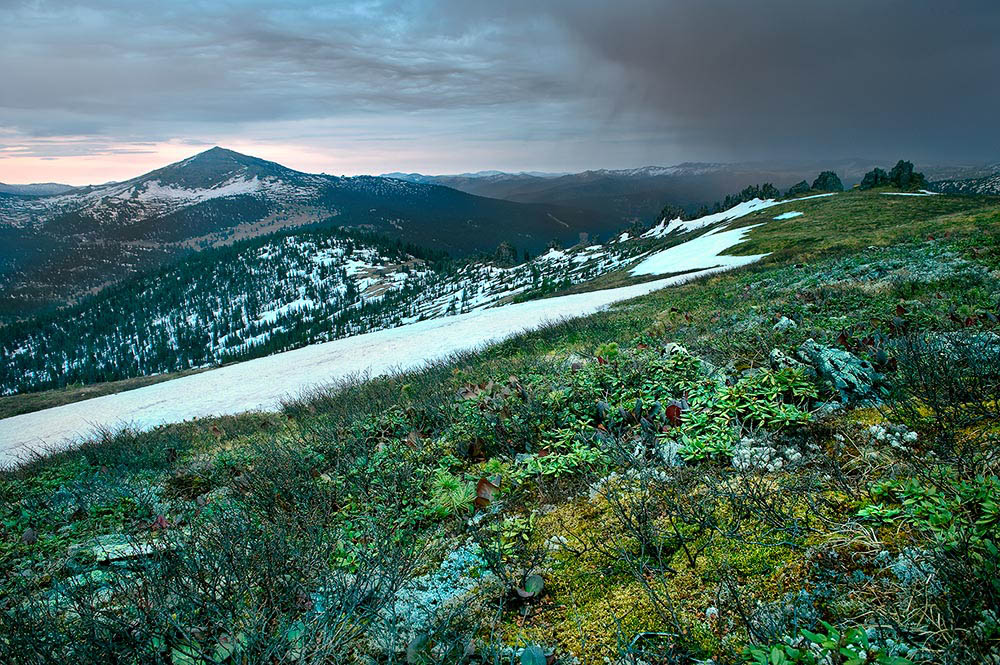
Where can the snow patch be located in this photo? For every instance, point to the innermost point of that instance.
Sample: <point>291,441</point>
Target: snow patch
<point>665,228</point>
<point>156,191</point>
<point>922,192</point>
<point>788,215</point>
<point>703,252</point>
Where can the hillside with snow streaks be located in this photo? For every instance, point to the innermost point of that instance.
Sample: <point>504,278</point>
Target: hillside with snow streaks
<point>266,296</point>
<point>272,294</point>
<point>666,227</point>
<point>988,185</point>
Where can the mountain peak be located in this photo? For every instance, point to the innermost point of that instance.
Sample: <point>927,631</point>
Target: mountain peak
<point>218,155</point>
<point>216,152</point>
<point>215,166</point>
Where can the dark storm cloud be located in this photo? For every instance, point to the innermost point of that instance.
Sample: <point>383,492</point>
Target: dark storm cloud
<point>631,82</point>
<point>794,78</point>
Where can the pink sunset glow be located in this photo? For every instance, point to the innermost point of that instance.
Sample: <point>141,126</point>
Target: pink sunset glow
<point>121,162</point>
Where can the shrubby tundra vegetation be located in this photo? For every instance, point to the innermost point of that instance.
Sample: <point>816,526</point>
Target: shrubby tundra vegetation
<point>794,462</point>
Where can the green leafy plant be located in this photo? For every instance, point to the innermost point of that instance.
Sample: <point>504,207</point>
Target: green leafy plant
<point>609,351</point>
<point>831,647</point>
<point>877,512</point>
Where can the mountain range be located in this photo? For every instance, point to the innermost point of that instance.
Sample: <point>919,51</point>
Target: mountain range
<point>36,189</point>
<point>637,195</point>
<point>58,243</point>
<point>634,195</point>
<point>54,248</point>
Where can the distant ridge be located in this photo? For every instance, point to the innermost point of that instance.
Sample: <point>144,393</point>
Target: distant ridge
<point>35,189</point>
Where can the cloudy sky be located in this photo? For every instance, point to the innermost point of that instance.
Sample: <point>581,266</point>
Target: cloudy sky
<point>97,90</point>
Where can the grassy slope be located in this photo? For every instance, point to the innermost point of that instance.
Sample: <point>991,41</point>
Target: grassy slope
<point>284,477</point>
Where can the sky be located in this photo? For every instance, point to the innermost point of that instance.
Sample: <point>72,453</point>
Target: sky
<point>92,91</point>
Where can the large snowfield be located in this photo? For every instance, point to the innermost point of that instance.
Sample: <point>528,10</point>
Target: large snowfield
<point>263,383</point>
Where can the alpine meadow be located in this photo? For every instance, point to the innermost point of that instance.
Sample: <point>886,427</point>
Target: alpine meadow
<point>638,333</point>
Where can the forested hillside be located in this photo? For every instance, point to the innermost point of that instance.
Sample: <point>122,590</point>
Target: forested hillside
<point>271,294</point>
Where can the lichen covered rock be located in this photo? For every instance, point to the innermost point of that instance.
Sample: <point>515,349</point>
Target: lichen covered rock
<point>785,323</point>
<point>852,378</point>
<point>778,359</point>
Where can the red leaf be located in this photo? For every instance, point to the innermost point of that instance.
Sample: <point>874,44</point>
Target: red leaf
<point>674,414</point>
<point>601,361</point>
<point>484,492</point>
<point>842,339</point>
<point>900,310</point>
<point>413,439</point>
<point>159,523</point>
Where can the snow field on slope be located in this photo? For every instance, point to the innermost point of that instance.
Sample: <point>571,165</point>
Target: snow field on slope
<point>705,251</point>
<point>262,384</point>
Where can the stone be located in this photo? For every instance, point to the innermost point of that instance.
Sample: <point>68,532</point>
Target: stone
<point>828,181</point>
<point>778,359</point>
<point>801,187</point>
<point>852,378</point>
<point>751,454</point>
<point>118,547</point>
<point>785,323</point>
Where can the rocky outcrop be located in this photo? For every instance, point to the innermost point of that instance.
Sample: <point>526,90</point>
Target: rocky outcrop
<point>851,378</point>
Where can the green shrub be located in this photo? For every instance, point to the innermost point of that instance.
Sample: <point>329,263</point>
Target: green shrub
<point>831,647</point>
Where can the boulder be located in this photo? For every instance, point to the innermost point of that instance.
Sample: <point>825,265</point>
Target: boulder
<point>852,378</point>
<point>778,359</point>
<point>874,178</point>
<point>801,187</point>
<point>785,323</point>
